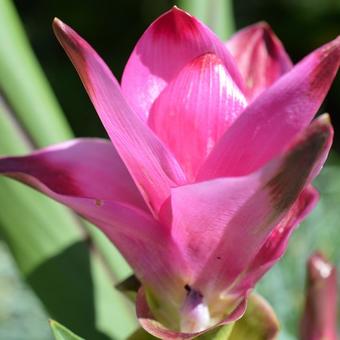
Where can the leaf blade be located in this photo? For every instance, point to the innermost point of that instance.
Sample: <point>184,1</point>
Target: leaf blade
<point>62,333</point>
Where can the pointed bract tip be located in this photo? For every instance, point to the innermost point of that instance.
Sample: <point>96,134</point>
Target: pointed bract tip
<point>57,23</point>
<point>175,9</point>
<point>332,49</point>
<point>264,25</point>
<point>325,119</point>
<point>179,11</point>
<point>319,267</point>
<point>336,42</point>
<point>319,317</point>
<point>67,37</point>
<point>322,126</point>
<point>51,322</point>
<point>260,26</point>
<point>59,27</point>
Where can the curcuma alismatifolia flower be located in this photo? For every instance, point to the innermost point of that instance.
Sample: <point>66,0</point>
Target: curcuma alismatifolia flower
<point>210,167</point>
<point>319,318</point>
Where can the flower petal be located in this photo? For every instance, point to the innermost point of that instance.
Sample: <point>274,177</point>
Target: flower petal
<point>195,109</point>
<point>260,57</point>
<point>276,244</point>
<point>152,326</point>
<point>172,41</point>
<point>150,164</point>
<point>220,240</point>
<point>89,177</point>
<point>85,167</point>
<point>268,124</point>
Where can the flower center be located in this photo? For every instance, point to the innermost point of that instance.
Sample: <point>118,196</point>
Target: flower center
<point>195,316</point>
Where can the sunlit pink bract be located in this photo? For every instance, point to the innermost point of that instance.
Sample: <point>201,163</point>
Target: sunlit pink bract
<point>209,167</point>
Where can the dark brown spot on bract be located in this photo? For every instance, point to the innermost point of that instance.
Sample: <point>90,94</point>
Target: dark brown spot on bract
<point>288,183</point>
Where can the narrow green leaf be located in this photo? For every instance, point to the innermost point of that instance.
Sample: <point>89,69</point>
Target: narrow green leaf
<point>48,242</point>
<point>33,111</point>
<point>26,217</point>
<point>217,14</point>
<point>62,333</point>
<point>24,85</point>
<point>224,332</point>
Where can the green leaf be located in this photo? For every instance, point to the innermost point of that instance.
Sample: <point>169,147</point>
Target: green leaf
<point>51,244</point>
<point>24,86</point>
<point>217,14</point>
<point>258,323</point>
<point>62,333</point>
<point>223,332</point>
<point>49,247</point>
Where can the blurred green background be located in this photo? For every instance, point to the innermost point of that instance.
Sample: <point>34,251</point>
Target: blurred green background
<point>113,27</point>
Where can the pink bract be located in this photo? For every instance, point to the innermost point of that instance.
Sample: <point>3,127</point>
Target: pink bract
<point>319,320</point>
<point>210,167</point>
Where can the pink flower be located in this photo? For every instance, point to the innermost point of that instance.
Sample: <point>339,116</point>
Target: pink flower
<point>319,319</point>
<point>210,167</point>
